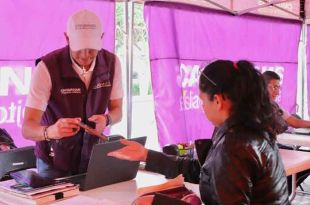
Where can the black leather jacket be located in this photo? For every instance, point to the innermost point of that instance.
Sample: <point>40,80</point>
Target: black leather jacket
<point>240,168</point>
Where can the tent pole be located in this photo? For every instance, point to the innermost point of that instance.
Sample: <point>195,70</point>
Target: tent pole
<point>282,9</point>
<point>302,85</point>
<point>302,9</point>
<point>132,22</point>
<point>129,57</point>
<point>221,6</point>
<point>266,4</point>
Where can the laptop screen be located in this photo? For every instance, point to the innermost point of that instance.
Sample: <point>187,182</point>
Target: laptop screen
<point>104,170</point>
<point>17,159</point>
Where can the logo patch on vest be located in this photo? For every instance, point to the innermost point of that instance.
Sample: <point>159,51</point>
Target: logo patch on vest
<point>102,84</point>
<point>66,91</point>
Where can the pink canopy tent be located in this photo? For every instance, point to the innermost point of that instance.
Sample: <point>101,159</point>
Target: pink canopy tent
<point>184,35</point>
<point>290,9</point>
<point>30,29</point>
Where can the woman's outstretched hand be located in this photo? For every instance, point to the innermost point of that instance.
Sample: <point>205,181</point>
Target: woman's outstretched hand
<point>133,151</point>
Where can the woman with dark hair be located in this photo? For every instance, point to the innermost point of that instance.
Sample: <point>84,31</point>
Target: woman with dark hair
<point>243,165</point>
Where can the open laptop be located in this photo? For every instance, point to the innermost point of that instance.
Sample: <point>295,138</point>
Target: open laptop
<point>105,170</point>
<point>16,159</point>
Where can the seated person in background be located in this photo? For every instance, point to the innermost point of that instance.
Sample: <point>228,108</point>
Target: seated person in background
<point>6,141</point>
<point>243,165</point>
<point>272,80</point>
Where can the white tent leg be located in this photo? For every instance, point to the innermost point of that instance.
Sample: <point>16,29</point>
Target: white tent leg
<point>129,59</point>
<point>302,85</point>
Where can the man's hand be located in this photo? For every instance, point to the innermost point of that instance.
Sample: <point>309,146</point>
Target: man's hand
<point>100,121</point>
<point>64,127</point>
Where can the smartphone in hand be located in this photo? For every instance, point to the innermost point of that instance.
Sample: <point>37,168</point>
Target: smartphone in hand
<point>93,131</point>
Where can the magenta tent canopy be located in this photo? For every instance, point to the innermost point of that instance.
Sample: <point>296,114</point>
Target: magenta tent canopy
<point>289,9</point>
<point>30,29</point>
<point>185,35</point>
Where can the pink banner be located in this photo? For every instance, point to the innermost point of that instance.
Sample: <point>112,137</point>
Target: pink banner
<point>183,37</point>
<point>30,29</point>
